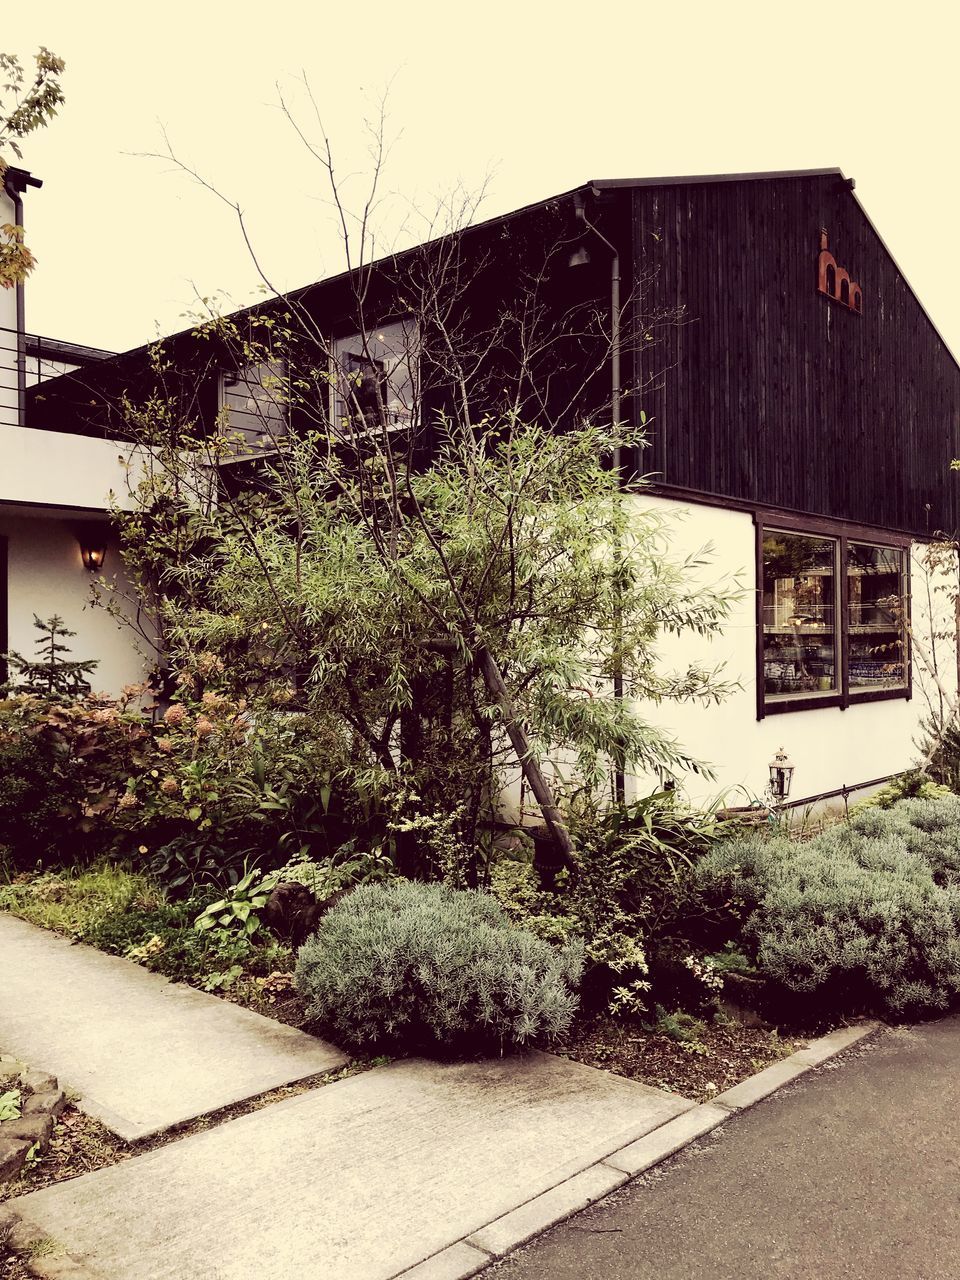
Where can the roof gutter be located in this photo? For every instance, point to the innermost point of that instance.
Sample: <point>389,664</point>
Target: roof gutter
<point>15,182</point>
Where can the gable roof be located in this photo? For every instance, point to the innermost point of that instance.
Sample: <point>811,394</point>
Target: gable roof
<point>596,186</point>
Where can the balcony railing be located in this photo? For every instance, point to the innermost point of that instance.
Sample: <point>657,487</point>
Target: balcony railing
<point>42,359</point>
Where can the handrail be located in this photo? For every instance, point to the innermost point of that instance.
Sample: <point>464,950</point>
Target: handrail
<point>44,359</point>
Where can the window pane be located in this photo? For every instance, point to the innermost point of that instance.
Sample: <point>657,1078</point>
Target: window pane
<point>255,398</point>
<point>877,617</point>
<point>799,616</point>
<point>375,379</point>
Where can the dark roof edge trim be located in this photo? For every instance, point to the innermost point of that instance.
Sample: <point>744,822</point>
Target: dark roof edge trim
<point>612,184</point>
<point>36,344</point>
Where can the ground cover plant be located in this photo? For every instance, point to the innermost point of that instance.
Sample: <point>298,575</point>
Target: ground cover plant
<point>126,913</point>
<point>864,917</point>
<point>430,965</point>
<point>631,900</point>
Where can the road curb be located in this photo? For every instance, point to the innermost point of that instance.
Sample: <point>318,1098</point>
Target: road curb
<point>474,1253</point>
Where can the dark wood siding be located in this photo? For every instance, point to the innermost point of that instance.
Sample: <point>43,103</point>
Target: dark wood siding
<point>769,392</point>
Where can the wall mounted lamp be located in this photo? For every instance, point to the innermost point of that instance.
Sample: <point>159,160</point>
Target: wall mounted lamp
<point>93,547</point>
<point>781,776</point>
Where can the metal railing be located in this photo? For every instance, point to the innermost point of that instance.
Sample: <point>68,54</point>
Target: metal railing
<point>41,360</point>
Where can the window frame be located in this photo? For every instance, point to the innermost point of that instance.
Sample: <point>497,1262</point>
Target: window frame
<point>255,449</point>
<point>363,343</point>
<point>774,521</point>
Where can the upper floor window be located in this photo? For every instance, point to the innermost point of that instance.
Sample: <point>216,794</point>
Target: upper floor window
<point>833,620</point>
<point>374,383</point>
<point>255,401</point>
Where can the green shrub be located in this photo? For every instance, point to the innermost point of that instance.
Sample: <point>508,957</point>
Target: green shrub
<point>430,965</point>
<point>35,793</point>
<point>864,917</point>
<point>914,785</point>
<point>633,889</point>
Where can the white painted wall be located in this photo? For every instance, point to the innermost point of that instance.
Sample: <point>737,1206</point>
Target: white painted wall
<point>8,337</point>
<point>59,469</point>
<point>46,576</point>
<point>830,747</point>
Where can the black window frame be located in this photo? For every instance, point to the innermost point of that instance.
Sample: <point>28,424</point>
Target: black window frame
<point>842,533</point>
<point>4,606</point>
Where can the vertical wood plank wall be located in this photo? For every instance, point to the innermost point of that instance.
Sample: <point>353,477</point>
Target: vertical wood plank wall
<point>770,392</point>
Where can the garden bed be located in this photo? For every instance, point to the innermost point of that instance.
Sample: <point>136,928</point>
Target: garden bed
<point>721,1055</point>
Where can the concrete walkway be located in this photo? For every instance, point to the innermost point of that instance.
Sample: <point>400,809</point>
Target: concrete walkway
<point>359,1180</point>
<point>851,1173</point>
<point>144,1054</point>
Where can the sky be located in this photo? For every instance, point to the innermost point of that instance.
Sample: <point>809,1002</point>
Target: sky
<point>502,102</point>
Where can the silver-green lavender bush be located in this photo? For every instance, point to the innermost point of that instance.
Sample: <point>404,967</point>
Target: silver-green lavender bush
<point>428,964</point>
<point>865,915</point>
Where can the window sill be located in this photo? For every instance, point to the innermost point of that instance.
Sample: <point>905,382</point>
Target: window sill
<point>817,702</point>
<point>814,703</point>
<point>879,695</point>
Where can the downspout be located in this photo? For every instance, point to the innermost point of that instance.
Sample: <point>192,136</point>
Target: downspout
<point>619,782</point>
<point>15,182</point>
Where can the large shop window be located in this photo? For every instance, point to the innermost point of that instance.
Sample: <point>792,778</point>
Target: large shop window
<point>833,619</point>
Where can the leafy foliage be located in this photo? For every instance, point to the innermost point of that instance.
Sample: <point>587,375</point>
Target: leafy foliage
<point>62,765</point>
<point>10,1100</point>
<point>913,785</point>
<point>434,966</point>
<point>238,911</point>
<point>127,914</point>
<point>34,792</point>
<point>864,916</point>
<point>373,594</point>
<point>634,889</point>
<point>24,106</point>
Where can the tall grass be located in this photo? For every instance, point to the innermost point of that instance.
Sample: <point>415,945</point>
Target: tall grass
<point>74,903</point>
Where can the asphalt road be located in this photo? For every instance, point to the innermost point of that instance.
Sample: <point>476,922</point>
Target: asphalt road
<point>854,1171</point>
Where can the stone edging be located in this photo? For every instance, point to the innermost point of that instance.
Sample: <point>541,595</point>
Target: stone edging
<point>42,1102</point>
<point>477,1251</point>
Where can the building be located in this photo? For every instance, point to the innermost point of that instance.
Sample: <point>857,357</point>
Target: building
<point>802,410</point>
<point>54,493</point>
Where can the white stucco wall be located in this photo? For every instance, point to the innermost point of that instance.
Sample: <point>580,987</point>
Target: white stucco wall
<point>46,576</point>
<point>59,469</point>
<point>829,746</point>
<point>8,339</point>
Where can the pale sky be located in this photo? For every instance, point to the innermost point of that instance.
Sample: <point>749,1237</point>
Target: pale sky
<point>527,99</point>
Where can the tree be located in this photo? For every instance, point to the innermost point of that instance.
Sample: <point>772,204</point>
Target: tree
<point>24,107</point>
<point>50,675</point>
<point>428,543</point>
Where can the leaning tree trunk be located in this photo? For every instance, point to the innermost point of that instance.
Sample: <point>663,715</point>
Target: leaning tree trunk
<point>542,791</point>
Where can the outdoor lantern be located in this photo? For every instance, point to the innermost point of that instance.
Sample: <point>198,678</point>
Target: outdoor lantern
<point>93,548</point>
<point>781,775</point>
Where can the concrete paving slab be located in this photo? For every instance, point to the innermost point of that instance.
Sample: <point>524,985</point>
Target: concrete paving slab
<point>365,1178</point>
<point>144,1054</point>
<point>545,1210</point>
